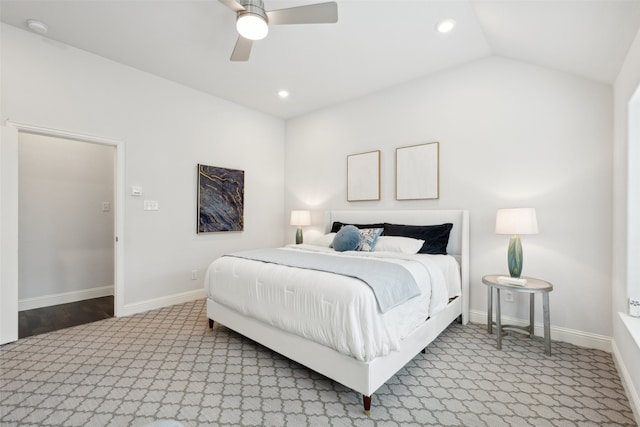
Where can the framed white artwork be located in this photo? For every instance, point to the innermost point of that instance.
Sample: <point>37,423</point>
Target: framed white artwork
<point>417,172</point>
<point>363,176</point>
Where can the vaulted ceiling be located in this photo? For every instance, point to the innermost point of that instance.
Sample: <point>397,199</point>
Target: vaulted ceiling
<point>373,46</point>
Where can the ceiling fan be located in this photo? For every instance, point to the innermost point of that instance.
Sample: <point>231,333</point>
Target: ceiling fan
<point>252,20</point>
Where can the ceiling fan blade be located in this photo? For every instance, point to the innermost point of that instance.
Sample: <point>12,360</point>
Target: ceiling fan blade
<point>320,13</point>
<point>233,5</point>
<point>242,50</point>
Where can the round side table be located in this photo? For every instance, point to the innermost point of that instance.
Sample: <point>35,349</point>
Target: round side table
<point>533,287</point>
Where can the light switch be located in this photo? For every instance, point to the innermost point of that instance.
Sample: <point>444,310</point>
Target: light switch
<point>106,206</point>
<point>136,191</point>
<point>150,205</point>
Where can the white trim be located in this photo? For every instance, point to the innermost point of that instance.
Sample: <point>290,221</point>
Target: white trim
<point>633,326</point>
<point>118,301</point>
<point>571,336</point>
<point>633,199</point>
<point>632,393</point>
<point>9,235</point>
<point>152,304</point>
<point>39,130</point>
<point>119,198</point>
<point>64,297</point>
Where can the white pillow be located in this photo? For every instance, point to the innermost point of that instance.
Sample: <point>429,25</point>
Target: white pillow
<point>325,240</point>
<point>405,245</point>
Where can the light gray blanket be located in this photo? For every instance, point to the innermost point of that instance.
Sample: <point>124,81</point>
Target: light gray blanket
<point>391,283</point>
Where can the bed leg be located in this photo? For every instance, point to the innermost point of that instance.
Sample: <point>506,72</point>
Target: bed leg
<point>210,323</point>
<point>367,404</point>
<point>423,351</point>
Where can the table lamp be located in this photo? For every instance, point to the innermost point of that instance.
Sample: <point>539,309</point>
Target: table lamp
<point>515,222</point>
<point>300,218</point>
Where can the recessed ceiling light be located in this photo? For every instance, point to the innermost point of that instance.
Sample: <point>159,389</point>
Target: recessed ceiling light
<point>446,26</point>
<point>283,94</point>
<point>37,26</point>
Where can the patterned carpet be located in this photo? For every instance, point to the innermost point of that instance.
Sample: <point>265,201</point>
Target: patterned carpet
<point>167,364</point>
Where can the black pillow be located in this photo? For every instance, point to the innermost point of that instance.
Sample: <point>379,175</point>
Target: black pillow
<point>436,237</point>
<point>337,225</point>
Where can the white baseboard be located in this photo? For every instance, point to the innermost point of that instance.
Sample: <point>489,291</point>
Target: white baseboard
<point>632,393</point>
<point>64,298</point>
<point>572,336</point>
<point>152,304</point>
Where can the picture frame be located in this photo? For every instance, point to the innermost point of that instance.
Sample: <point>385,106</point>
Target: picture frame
<point>363,176</point>
<point>418,172</point>
<point>220,199</point>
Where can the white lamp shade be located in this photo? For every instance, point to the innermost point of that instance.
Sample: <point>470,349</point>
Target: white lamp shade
<point>252,27</point>
<point>300,218</point>
<point>516,221</point>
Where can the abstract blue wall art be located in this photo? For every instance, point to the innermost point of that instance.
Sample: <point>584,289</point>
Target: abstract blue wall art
<point>220,199</point>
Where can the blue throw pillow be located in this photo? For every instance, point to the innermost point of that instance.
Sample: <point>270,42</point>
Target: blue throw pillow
<point>347,239</point>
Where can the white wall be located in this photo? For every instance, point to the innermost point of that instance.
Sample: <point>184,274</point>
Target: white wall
<point>166,130</point>
<point>511,135</point>
<point>625,210</point>
<point>66,239</point>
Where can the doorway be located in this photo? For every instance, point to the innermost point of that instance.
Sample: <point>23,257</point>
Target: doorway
<point>9,223</point>
<point>66,231</point>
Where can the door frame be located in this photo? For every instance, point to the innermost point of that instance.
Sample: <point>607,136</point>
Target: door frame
<point>9,233</point>
<point>119,146</point>
<point>633,199</point>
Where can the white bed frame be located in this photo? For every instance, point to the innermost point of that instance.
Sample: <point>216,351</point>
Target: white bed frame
<point>365,377</point>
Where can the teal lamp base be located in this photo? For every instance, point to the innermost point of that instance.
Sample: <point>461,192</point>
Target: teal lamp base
<point>514,256</point>
<point>299,235</point>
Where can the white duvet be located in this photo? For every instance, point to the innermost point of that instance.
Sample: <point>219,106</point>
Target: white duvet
<point>337,311</point>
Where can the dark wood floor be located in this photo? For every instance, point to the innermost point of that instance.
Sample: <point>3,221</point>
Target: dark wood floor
<point>47,319</point>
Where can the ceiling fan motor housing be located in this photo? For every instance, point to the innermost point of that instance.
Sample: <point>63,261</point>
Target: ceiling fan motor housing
<point>253,7</point>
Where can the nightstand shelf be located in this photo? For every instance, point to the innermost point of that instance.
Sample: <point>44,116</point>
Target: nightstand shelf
<point>533,287</point>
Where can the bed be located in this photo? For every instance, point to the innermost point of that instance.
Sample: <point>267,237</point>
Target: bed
<point>356,359</point>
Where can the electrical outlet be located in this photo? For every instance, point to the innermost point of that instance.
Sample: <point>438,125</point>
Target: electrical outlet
<point>634,307</point>
<point>508,296</point>
<point>194,274</point>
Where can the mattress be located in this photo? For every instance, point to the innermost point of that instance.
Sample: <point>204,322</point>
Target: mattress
<point>333,310</point>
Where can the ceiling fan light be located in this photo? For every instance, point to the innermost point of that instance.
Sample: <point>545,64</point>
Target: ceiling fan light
<point>252,26</point>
